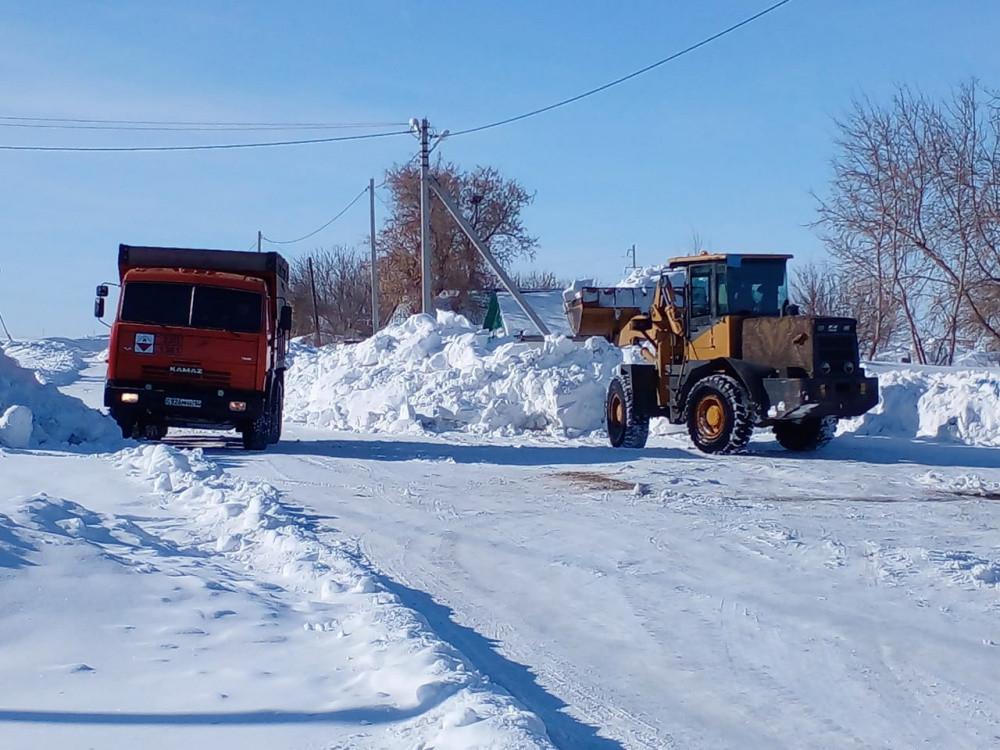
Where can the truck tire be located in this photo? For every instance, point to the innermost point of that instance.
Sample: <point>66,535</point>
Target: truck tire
<point>277,412</point>
<point>807,435</point>
<point>627,426</point>
<point>719,415</point>
<point>256,433</point>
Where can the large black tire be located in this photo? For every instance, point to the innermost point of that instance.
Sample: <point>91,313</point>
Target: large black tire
<point>277,412</point>
<point>807,435</point>
<point>628,427</point>
<point>720,415</point>
<point>256,433</point>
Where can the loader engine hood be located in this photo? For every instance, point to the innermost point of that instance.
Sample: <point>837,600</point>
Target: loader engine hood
<point>803,346</point>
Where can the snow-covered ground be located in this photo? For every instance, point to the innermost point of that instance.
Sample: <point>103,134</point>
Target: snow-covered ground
<point>444,553</point>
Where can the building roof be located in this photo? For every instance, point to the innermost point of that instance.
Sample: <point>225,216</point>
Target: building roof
<point>547,304</point>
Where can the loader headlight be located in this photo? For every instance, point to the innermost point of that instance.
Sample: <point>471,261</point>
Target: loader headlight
<point>130,398</point>
<point>824,367</point>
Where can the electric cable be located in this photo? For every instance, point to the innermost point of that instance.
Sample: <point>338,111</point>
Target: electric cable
<point>305,237</point>
<point>624,78</point>
<point>206,147</point>
<point>170,128</point>
<point>71,121</point>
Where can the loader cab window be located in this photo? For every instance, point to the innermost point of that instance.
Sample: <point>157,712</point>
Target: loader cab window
<point>757,287</point>
<point>701,285</point>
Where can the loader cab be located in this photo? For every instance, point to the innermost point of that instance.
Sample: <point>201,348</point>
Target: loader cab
<point>718,286</point>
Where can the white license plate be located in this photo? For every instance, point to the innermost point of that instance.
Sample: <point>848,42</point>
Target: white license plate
<point>193,403</point>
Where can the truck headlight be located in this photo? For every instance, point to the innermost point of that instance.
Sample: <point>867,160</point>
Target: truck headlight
<point>824,367</point>
<point>848,367</point>
<point>237,406</point>
<point>130,398</point>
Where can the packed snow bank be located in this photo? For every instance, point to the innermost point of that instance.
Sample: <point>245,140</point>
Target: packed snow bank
<point>427,375</point>
<point>953,405</point>
<point>391,648</point>
<point>55,361</point>
<point>446,374</point>
<point>55,417</point>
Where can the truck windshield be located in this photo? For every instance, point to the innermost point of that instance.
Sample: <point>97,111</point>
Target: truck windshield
<point>191,306</point>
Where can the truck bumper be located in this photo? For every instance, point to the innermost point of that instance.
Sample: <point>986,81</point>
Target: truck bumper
<point>179,406</point>
<point>791,399</point>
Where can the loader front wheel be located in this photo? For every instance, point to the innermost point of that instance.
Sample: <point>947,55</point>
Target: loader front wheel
<point>719,415</point>
<point>627,426</point>
<point>807,435</point>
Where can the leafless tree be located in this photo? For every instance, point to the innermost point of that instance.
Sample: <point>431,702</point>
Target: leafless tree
<point>493,205</point>
<point>343,293</point>
<point>913,218</point>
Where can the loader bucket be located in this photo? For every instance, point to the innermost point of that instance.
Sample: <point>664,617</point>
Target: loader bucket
<point>597,311</point>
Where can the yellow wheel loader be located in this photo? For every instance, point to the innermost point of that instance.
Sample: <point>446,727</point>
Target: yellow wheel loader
<point>725,352</point>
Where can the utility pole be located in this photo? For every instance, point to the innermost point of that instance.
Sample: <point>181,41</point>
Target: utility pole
<point>631,251</point>
<point>260,236</point>
<point>312,283</point>
<point>484,251</point>
<point>11,340</point>
<point>426,305</point>
<point>371,195</point>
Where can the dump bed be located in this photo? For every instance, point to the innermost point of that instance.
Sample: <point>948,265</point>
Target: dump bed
<point>270,267</point>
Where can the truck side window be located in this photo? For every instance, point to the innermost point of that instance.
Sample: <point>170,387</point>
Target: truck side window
<point>701,303</point>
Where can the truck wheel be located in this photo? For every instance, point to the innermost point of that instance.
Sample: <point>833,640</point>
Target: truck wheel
<point>277,412</point>
<point>627,428</point>
<point>807,435</point>
<point>256,433</point>
<point>719,415</point>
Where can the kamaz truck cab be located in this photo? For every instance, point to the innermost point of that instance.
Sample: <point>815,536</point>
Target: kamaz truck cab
<point>199,340</point>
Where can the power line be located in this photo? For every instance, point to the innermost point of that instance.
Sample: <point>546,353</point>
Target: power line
<point>206,147</point>
<point>212,127</point>
<point>196,123</point>
<point>634,74</point>
<point>305,237</point>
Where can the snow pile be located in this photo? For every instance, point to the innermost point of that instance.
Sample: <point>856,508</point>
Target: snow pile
<point>953,405</point>
<point>446,374</point>
<point>397,655</point>
<point>55,361</point>
<point>54,417</point>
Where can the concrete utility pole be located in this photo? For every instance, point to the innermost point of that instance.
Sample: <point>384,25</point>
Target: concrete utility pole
<point>473,236</point>
<point>631,251</point>
<point>312,283</point>
<point>260,236</point>
<point>371,195</point>
<point>426,305</point>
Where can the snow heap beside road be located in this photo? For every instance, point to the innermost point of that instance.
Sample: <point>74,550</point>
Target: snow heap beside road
<point>36,414</point>
<point>392,649</point>
<point>446,374</point>
<point>427,375</point>
<point>952,405</point>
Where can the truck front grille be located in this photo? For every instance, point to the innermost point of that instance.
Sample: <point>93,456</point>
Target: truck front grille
<point>207,377</point>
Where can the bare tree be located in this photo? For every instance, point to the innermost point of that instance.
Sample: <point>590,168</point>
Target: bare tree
<point>913,217</point>
<point>493,205</point>
<point>343,292</point>
<point>538,280</point>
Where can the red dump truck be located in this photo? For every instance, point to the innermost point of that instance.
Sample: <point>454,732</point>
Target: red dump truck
<point>199,340</point>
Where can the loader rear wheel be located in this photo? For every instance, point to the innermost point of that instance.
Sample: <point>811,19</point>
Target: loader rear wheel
<point>719,415</point>
<point>627,426</point>
<point>807,435</point>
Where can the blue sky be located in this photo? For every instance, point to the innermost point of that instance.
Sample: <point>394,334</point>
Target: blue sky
<point>726,142</point>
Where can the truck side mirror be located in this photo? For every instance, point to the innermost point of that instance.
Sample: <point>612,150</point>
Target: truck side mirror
<point>285,318</point>
<point>102,290</point>
<point>99,306</point>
